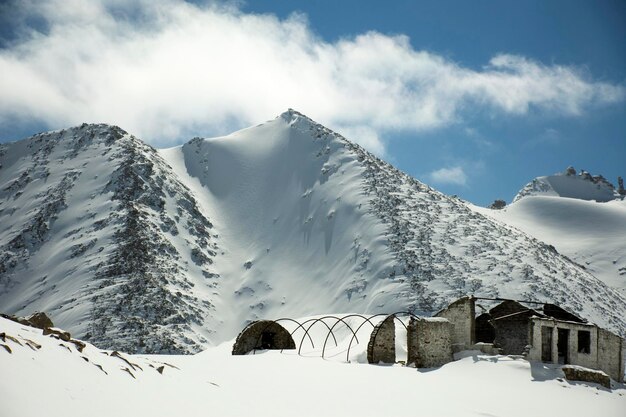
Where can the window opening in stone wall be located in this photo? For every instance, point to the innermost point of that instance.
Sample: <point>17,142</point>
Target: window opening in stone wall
<point>584,341</point>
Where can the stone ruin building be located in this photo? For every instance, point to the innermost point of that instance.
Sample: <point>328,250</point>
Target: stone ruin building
<point>544,333</point>
<point>573,343</point>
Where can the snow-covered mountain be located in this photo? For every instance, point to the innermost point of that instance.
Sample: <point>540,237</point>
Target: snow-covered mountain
<point>568,184</point>
<point>170,250</point>
<point>96,229</point>
<point>582,216</point>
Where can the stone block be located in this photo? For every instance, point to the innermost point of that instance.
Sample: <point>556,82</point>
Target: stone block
<point>578,373</point>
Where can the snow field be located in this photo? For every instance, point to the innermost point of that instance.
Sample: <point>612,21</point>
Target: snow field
<point>57,381</point>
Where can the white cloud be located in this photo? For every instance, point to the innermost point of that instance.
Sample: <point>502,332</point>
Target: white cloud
<point>366,136</point>
<point>455,175</point>
<point>167,70</point>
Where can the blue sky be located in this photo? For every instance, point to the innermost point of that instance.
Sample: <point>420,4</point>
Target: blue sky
<point>474,98</point>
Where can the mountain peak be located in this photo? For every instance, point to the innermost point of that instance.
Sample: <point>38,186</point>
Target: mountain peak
<point>291,115</point>
<point>570,184</point>
<point>89,129</point>
<point>295,118</point>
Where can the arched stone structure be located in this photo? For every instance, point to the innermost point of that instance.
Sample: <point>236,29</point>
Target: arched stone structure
<point>263,334</point>
<point>382,344</point>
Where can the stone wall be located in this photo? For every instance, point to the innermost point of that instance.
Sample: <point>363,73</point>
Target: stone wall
<point>461,314</point>
<point>382,344</point>
<point>429,342</point>
<point>610,354</point>
<point>534,353</point>
<point>511,322</point>
<point>263,334</point>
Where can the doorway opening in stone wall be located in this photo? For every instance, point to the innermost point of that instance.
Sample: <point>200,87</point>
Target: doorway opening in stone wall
<point>484,331</point>
<point>546,344</point>
<point>562,345</point>
<point>268,340</point>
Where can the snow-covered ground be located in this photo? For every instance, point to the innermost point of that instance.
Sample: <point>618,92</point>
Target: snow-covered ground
<point>58,380</point>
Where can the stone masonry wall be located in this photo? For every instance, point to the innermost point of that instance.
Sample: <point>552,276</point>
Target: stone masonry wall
<point>610,358</point>
<point>382,344</point>
<point>461,314</point>
<point>511,321</point>
<point>411,342</point>
<point>429,342</point>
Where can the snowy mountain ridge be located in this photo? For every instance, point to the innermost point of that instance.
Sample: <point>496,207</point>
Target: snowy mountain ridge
<point>172,250</point>
<point>568,184</point>
<point>95,230</point>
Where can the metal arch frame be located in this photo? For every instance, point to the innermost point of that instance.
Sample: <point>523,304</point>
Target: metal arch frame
<point>306,331</point>
<point>330,330</point>
<point>354,336</point>
<point>276,322</point>
<point>337,319</point>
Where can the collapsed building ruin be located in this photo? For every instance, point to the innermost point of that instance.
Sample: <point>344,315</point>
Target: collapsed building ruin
<point>545,332</point>
<point>573,343</point>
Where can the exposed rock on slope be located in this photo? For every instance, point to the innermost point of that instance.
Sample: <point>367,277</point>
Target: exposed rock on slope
<point>99,232</point>
<point>446,250</point>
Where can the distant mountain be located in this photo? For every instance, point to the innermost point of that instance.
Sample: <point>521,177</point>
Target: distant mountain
<point>170,250</point>
<point>582,216</point>
<point>582,186</point>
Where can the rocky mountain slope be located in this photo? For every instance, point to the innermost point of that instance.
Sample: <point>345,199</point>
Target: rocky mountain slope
<point>96,230</point>
<point>170,250</point>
